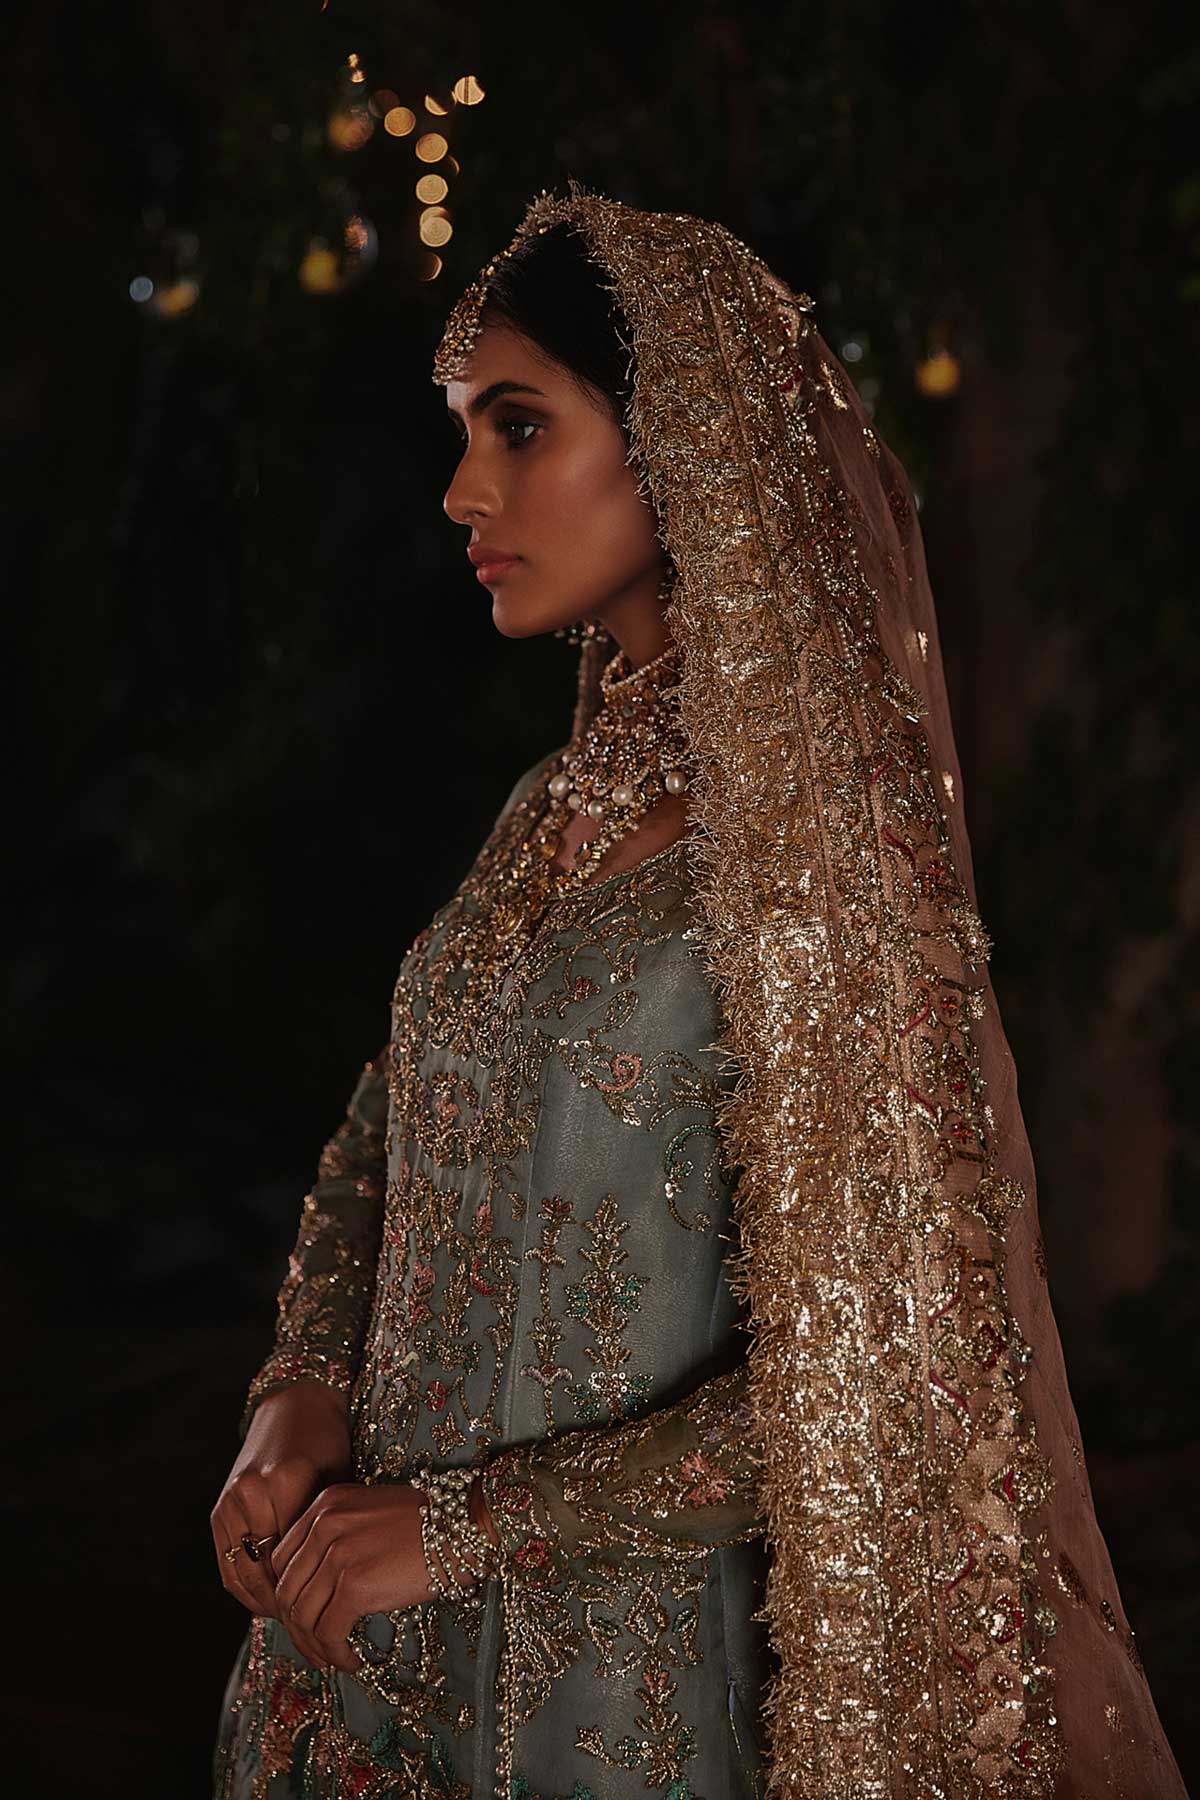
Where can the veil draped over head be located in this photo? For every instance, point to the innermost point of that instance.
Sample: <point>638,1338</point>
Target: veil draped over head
<point>940,1596</point>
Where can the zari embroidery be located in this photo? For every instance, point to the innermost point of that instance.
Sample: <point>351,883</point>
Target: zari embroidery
<point>464,1095</point>
<point>603,1525</point>
<point>885,1362</point>
<point>603,1300</point>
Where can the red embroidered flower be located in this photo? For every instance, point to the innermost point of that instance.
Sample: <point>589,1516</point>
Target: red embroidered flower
<point>354,1777</point>
<point>435,1396</point>
<point>483,1216</point>
<point>290,1703</point>
<point>709,1485</point>
<point>479,1282</point>
<point>626,1069</point>
<point>534,1553</point>
<point>515,1497</point>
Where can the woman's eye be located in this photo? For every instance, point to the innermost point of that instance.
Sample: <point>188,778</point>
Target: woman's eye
<point>503,427</point>
<point>507,425</point>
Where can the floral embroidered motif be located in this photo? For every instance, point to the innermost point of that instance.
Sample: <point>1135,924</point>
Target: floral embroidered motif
<point>603,1301</point>
<point>474,1272</point>
<point>547,1330</point>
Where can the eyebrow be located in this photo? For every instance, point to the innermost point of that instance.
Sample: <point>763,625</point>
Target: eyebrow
<point>485,396</point>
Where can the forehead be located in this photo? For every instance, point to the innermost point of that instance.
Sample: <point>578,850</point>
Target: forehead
<point>502,353</point>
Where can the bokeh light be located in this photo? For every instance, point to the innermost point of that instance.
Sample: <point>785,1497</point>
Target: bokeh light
<point>433,105</point>
<point>431,146</point>
<point>435,228</point>
<point>429,267</point>
<point>938,375</point>
<point>176,298</point>
<point>350,128</point>
<point>467,91</point>
<point>398,121</point>
<point>319,271</point>
<point>432,188</point>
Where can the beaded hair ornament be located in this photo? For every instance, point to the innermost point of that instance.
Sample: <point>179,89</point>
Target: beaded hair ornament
<point>465,322</point>
<point>939,1596</point>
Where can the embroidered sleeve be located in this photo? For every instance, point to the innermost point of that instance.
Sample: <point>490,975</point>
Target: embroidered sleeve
<point>665,1486</point>
<point>326,1296</point>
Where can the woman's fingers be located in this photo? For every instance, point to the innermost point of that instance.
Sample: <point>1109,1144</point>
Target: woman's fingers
<point>320,1514</point>
<point>300,1613</point>
<point>245,1512</point>
<point>296,1560</point>
<point>335,1624</point>
<point>225,1536</point>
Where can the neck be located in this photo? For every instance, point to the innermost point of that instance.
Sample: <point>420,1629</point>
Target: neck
<point>636,620</point>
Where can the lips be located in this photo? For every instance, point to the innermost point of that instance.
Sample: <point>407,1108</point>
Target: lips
<point>489,553</point>
<point>491,563</point>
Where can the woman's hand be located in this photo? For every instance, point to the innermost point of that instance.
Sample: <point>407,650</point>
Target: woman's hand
<point>298,1441</point>
<point>356,1550</point>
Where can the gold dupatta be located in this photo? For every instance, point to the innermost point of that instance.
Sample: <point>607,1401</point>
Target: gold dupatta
<point>940,1597</point>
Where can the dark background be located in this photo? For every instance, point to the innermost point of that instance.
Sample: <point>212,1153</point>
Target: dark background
<point>259,719</point>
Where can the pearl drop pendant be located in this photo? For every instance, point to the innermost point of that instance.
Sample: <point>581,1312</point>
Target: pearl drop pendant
<point>675,781</point>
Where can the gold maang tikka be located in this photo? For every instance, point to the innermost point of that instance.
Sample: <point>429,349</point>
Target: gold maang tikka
<point>465,321</point>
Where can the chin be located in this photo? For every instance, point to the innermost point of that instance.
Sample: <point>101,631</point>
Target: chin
<point>513,625</point>
<point>515,621</point>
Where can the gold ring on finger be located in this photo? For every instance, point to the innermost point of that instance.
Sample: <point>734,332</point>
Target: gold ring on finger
<point>253,1546</point>
<point>233,1552</point>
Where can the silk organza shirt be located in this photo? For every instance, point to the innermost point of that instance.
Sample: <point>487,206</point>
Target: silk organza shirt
<point>514,1256</point>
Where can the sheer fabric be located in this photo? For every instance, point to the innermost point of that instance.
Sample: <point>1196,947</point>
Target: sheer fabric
<point>940,1595</point>
<point>515,1255</point>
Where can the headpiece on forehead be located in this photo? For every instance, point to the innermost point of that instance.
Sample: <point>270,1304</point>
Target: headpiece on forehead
<point>939,1595</point>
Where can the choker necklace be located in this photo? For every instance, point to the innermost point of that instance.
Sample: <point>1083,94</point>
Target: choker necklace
<point>632,753</point>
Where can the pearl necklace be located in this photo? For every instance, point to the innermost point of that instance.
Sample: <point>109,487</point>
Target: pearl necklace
<point>632,753</point>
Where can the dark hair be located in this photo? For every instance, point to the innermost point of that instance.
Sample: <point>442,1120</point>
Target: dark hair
<point>552,293</point>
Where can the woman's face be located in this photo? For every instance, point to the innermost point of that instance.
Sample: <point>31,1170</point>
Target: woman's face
<point>543,479</point>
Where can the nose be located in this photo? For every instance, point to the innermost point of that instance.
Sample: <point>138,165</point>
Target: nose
<point>470,493</point>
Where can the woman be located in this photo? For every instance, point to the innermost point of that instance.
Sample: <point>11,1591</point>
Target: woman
<point>666,1395</point>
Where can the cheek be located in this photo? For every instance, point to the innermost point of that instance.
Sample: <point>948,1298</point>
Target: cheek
<point>589,501</point>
